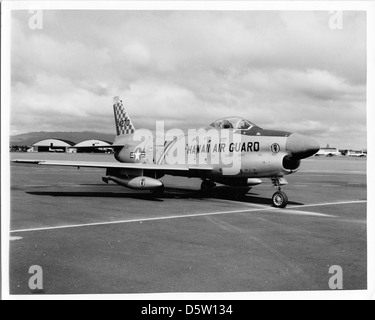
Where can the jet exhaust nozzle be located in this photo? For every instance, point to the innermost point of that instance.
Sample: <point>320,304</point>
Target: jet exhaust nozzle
<point>139,183</point>
<point>301,147</point>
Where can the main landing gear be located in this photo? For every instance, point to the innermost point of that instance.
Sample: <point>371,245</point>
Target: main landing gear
<point>207,187</point>
<point>279,199</point>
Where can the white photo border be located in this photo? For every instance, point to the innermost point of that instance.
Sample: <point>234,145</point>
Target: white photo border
<point>9,6</point>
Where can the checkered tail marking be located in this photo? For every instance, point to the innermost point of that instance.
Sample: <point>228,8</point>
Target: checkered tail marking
<point>124,125</point>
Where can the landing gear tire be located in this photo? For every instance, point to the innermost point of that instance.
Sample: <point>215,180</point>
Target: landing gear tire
<point>207,187</point>
<point>280,199</point>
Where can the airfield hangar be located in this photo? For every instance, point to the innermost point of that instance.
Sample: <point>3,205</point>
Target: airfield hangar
<point>61,145</point>
<point>92,146</point>
<point>49,145</point>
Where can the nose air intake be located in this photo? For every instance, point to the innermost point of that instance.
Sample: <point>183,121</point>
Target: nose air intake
<point>301,146</point>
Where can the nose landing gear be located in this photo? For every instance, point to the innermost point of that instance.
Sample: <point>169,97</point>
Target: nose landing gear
<point>279,199</point>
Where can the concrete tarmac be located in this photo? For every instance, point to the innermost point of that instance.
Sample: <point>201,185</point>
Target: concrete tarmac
<point>93,238</point>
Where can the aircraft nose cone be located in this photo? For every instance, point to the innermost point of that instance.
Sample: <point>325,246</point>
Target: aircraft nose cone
<point>301,146</point>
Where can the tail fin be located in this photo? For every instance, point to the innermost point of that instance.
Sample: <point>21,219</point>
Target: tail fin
<point>124,125</point>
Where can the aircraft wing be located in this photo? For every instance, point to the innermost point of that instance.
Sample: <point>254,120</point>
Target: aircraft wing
<point>119,165</point>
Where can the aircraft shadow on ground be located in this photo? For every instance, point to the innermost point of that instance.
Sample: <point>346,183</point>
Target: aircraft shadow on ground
<point>223,193</point>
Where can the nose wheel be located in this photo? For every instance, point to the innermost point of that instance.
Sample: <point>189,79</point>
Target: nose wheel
<point>279,199</point>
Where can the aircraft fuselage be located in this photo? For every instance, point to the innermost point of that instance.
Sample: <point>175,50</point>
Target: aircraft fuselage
<point>262,154</point>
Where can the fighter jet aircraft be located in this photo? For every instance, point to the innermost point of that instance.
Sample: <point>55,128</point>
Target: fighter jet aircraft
<point>254,153</point>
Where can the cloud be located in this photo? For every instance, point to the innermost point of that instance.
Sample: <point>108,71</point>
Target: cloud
<point>283,70</point>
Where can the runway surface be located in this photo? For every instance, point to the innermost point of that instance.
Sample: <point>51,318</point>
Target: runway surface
<point>92,238</point>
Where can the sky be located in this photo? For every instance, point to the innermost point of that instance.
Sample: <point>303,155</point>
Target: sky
<point>279,69</point>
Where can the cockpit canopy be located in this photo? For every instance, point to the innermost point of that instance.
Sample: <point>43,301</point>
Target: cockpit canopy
<point>233,123</point>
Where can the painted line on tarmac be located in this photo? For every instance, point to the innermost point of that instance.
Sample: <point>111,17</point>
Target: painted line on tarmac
<point>334,172</point>
<point>329,204</point>
<point>262,208</point>
<point>289,210</point>
<point>305,213</point>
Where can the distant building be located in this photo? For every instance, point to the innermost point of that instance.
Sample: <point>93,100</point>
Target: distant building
<point>18,148</point>
<point>328,152</point>
<point>359,154</point>
<point>52,145</point>
<point>92,146</point>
